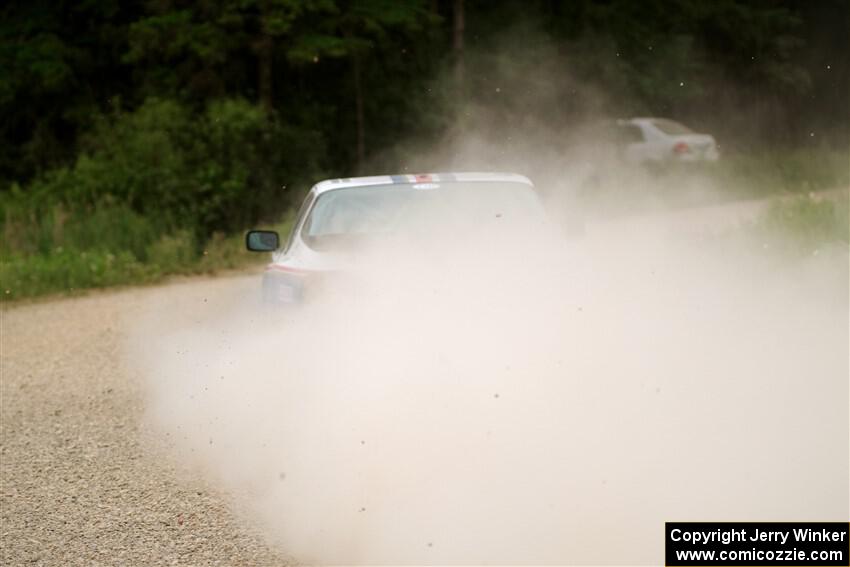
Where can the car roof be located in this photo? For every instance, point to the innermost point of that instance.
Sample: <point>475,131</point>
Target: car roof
<point>406,179</point>
<point>650,119</point>
<point>637,120</point>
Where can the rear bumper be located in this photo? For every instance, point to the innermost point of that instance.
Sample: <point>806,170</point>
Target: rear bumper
<point>709,156</point>
<point>282,288</point>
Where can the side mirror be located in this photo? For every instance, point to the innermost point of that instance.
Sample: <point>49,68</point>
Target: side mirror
<point>262,241</point>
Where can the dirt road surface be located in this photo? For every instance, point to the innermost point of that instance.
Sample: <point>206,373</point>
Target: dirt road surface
<point>82,481</point>
<point>83,478</point>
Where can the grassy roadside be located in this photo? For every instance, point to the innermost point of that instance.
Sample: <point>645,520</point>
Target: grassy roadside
<point>625,189</point>
<point>805,223</point>
<point>47,250</point>
<point>69,270</point>
<point>797,172</point>
<point>802,224</point>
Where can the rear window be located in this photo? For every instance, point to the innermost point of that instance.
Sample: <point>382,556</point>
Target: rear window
<point>671,127</point>
<point>629,134</point>
<point>388,208</point>
<point>614,133</point>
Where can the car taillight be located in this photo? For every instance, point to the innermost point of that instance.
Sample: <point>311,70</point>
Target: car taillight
<point>681,148</point>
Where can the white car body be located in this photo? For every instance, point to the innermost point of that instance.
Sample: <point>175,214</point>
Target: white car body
<point>297,262</point>
<point>660,140</point>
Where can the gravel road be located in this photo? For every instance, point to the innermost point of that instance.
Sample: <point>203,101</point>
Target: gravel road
<point>82,478</point>
<point>85,480</point>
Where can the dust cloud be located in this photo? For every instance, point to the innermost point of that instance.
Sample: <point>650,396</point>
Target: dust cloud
<point>530,400</point>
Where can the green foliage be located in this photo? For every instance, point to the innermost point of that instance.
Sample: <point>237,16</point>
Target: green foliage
<point>804,226</point>
<point>136,136</point>
<point>220,170</point>
<point>668,43</point>
<point>809,222</point>
<point>788,171</point>
<point>65,62</point>
<point>68,270</point>
<point>153,195</point>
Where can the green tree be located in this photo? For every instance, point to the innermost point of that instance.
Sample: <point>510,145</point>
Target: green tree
<point>352,29</point>
<point>203,50</point>
<point>56,67</point>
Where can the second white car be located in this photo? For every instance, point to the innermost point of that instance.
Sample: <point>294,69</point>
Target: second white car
<point>661,140</point>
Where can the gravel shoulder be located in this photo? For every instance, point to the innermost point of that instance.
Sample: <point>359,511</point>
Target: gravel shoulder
<point>82,478</point>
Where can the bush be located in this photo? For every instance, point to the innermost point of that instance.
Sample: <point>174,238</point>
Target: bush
<point>158,191</point>
<point>219,171</point>
<point>808,221</point>
<point>172,253</point>
<point>69,270</point>
<point>783,171</point>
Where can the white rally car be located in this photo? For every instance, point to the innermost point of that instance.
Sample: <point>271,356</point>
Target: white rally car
<point>661,140</point>
<point>338,214</point>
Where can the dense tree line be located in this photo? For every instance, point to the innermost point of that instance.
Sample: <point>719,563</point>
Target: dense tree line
<point>206,113</point>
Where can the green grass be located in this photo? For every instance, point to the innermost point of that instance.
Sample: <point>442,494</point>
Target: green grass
<point>735,177</point>
<point>62,270</point>
<point>785,172</point>
<point>48,249</point>
<point>805,223</point>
